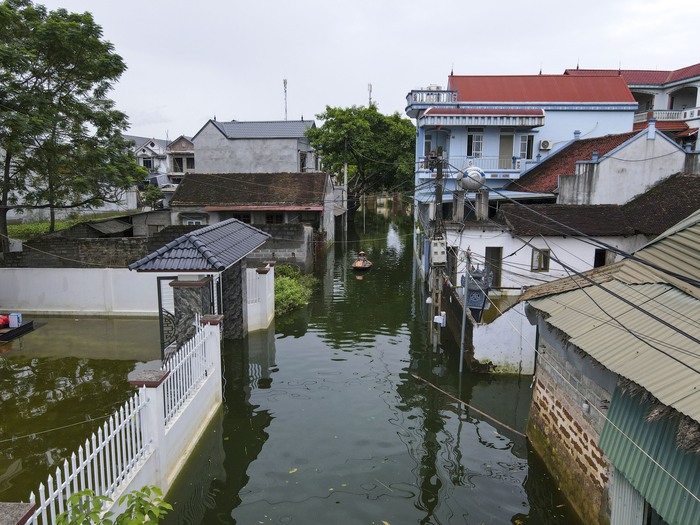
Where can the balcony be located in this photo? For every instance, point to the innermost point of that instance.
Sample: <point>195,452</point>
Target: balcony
<point>667,115</point>
<point>420,99</point>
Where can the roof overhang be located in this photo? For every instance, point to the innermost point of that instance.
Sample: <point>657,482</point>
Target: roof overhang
<point>263,208</point>
<point>687,133</point>
<point>519,117</point>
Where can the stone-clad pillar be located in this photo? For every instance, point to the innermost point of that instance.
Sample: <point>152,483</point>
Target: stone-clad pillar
<point>192,297</point>
<point>235,301</point>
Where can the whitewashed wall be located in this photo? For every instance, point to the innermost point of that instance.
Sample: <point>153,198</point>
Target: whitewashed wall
<point>79,291</point>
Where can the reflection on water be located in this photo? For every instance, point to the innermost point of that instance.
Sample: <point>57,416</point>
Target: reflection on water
<point>56,384</point>
<point>323,420</point>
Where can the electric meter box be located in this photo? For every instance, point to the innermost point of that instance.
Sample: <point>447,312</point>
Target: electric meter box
<point>438,252</point>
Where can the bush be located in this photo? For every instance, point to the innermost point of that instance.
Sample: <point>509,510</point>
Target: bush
<point>292,289</point>
<point>85,508</point>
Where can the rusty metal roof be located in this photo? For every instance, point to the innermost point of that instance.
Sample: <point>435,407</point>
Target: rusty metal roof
<point>210,249</point>
<point>639,321</point>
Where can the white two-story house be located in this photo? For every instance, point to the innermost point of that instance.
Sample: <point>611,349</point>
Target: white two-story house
<point>671,98</point>
<point>506,124</point>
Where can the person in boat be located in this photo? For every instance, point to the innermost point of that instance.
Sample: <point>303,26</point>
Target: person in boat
<point>361,260</point>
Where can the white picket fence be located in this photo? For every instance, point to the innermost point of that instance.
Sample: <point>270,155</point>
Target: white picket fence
<point>143,434</point>
<point>188,368</point>
<point>105,461</point>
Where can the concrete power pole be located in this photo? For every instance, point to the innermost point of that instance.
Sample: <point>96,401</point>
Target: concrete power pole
<point>438,254</point>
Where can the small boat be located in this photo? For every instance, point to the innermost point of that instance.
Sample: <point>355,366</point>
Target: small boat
<point>8,334</point>
<point>361,263</point>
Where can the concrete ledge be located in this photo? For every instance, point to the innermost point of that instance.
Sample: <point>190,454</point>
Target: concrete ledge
<point>15,513</point>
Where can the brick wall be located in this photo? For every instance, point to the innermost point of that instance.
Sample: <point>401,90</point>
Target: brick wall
<point>565,434</point>
<point>235,301</point>
<point>77,253</point>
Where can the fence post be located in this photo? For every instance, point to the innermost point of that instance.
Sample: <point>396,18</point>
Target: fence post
<point>153,419</point>
<point>213,349</point>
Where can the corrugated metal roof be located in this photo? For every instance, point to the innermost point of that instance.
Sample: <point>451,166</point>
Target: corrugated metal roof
<point>646,453</point>
<point>265,129</point>
<point>213,248</point>
<point>638,321</point>
<point>634,331</point>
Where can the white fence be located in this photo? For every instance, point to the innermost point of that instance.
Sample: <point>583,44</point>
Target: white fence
<point>107,460</point>
<point>148,440</point>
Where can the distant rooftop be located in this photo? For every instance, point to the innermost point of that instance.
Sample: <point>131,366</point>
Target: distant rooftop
<point>276,129</point>
<point>644,77</point>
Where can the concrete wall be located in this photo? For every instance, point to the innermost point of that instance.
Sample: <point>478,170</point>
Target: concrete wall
<point>563,432</point>
<point>623,174</point>
<point>289,244</point>
<point>508,343</point>
<point>73,291</point>
<point>518,257</point>
<point>217,154</point>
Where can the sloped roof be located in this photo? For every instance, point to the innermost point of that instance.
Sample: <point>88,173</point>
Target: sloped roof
<point>565,219</point>
<point>261,189</point>
<point>273,129</point>
<point>210,249</point>
<point>544,177</point>
<point>663,125</point>
<point>541,89</point>
<point>110,226</point>
<point>665,204</point>
<point>646,77</point>
<point>638,321</point>
<point>142,141</point>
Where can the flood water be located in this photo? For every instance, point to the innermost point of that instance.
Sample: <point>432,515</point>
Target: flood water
<point>344,412</point>
<point>57,385</point>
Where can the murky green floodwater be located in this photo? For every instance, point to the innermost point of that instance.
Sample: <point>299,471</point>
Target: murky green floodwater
<point>57,384</point>
<point>323,419</point>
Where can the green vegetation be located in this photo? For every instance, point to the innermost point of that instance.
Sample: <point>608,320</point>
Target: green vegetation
<point>151,195</point>
<point>379,149</point>
<point>85,508</point>
<point>292,289</point>
<point>60,135</point>
<point>26,231</point>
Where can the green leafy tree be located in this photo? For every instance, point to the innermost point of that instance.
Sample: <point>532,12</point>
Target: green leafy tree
<point>379,149</point>
<point>60,135</point>
<point>151,195</point>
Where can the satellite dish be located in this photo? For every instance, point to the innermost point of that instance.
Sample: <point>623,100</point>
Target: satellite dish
<point>472,179</point>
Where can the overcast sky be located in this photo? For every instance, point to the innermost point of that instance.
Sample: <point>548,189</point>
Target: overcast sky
<point>189,61</point>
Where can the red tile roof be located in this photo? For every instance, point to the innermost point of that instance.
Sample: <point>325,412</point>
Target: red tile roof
<point>663,125</point>
<point>545,176</point>
<point>540,88</point>
<point>641,76</point>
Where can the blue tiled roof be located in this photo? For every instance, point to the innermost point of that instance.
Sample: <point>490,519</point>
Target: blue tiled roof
<point>212,248</point>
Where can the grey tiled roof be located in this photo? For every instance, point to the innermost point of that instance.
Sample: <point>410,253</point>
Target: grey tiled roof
<point>140,141</point>
<point>212,248</point>
<point>275,129</point>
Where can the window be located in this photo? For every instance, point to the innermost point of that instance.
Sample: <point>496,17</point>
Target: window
<point>599,257</point>
<point>193,222</point>
<point>427,145</point>
<point>178,164</point>
<point>190,163</point>
<point>475,142</point>
<point>243,217</point>
<point>526,146</point>
<point>147,163</point>
<point>274,218</point>
<point>540,260</point>
<point>302,161</point>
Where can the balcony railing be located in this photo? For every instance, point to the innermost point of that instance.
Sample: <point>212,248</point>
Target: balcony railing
<point>428,96</point>
<point>666,114</point>
<point>458,162</point>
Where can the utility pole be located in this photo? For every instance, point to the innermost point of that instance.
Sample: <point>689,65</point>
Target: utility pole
<point>438,253</point>
<point>284,81</point>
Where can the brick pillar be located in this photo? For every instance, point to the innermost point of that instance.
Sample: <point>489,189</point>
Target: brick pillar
<point>235,301</point>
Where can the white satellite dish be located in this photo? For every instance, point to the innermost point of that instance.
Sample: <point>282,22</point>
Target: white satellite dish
<point>472,179</point>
